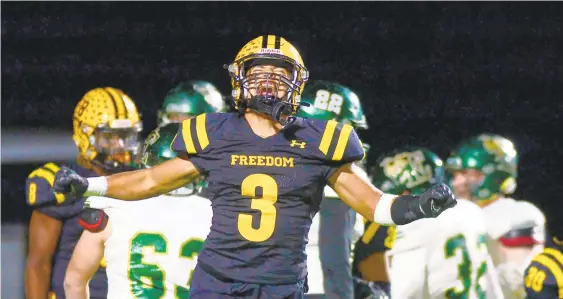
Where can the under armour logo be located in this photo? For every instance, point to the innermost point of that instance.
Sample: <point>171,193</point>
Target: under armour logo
<point>296,143</point>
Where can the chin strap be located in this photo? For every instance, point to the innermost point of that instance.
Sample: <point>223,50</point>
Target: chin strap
<point>275,108</point>
<point>279,111</point>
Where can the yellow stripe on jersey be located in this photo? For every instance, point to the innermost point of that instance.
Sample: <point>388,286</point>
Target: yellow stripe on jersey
<point>201,131</point>
<point>52,167</point>
<point>370,232</point>
<point>554,268</point>
<point>47,172</point>
<point>342,142</point>
<point>326,140</point>
<point>187,135</point>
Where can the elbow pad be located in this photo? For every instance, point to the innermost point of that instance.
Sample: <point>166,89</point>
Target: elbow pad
<point>93,220</point>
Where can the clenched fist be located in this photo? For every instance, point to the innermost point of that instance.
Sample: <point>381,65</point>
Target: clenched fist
<point>435,200</point>
<point>68,182</point>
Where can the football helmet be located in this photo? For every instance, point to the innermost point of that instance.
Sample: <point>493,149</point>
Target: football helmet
<point>189,99</point>
<point>156,149</point>
<point>495,157</point>
<point>332,101</point>
<point>270,84</point>
<point>411,170</point>
<point>106,128</point>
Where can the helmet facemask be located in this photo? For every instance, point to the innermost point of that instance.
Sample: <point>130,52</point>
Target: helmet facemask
<point>116,147</point>
<point>268,84</point>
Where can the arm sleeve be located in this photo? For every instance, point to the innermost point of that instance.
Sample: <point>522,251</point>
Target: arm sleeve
<point>193,139</point>
<point>40,196</point>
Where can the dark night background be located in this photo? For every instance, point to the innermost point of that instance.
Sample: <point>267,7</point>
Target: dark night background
<point>428,74</point>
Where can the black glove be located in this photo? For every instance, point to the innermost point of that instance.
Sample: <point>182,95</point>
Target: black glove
<point>408,208</point>
<point>435,200</point>
<point>68,182</point>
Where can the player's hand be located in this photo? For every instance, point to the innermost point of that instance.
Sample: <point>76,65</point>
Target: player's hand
<point>435,200</point>
<point>68,182</point>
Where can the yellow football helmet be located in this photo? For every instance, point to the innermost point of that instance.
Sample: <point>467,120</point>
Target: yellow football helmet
<point>106,127</point>
<point>269,50</point>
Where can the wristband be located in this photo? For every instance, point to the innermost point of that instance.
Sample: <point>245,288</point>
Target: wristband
<point>97,186</point>
<point>382,214</point>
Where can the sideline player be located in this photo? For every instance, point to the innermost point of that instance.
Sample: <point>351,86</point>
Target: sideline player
<point>155,240</point>
<point>484,170</point>
<point>106,127</point>
<point>264,187</point>
<point>190,99</point>
<point>543,279</point>
<point>446,257</point>
<point>336,221</point>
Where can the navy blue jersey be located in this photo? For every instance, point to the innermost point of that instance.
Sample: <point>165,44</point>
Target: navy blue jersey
<point>40,197</point>
<point>377,238</point>
<point>543,278</point>
<point>264,191</point>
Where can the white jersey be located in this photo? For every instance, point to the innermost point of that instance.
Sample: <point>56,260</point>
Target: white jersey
<point>507,215</point>
<point>153,248</point>
<point>448,254</point>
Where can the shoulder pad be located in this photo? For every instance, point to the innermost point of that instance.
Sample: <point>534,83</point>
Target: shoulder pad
<point>337,142</point>
<point>195,134</point>
<point>93,220</point>
<point>38,186</point>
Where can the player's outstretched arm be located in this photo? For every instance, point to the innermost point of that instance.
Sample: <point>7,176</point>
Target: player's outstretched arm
<point>388,209</point>
<point>131,185</point>
<point>85,260</point>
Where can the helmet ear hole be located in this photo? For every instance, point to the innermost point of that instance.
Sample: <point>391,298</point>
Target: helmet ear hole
<point>508,186</point>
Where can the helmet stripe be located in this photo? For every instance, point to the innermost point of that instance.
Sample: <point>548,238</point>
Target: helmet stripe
<point>112,100</point>
<point>271,41</point>
<point>278,42</point>
<point>264,41</point>
<point>118,101</point>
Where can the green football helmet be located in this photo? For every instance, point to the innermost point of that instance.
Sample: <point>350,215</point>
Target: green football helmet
<point>493,155</point>
<point>333,101</point>
<point>410,170</point>
<point>156,149</point>
<point>189,99</point>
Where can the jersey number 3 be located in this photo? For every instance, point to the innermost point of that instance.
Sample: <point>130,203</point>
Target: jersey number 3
<point>264,203</point>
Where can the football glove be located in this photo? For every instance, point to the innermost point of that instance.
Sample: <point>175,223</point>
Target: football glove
<point>435,200</point>
<point>68,182</point>
<point>408,208</point>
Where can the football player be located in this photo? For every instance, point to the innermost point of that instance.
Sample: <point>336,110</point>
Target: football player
<point>446,257</point>
<point>484,170</point>
<point>266,172</point>
<point>190,99</point>
<point>336,221</point>
<point>543,278</point>
<point>155,240</point>
<point>106,127</point>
